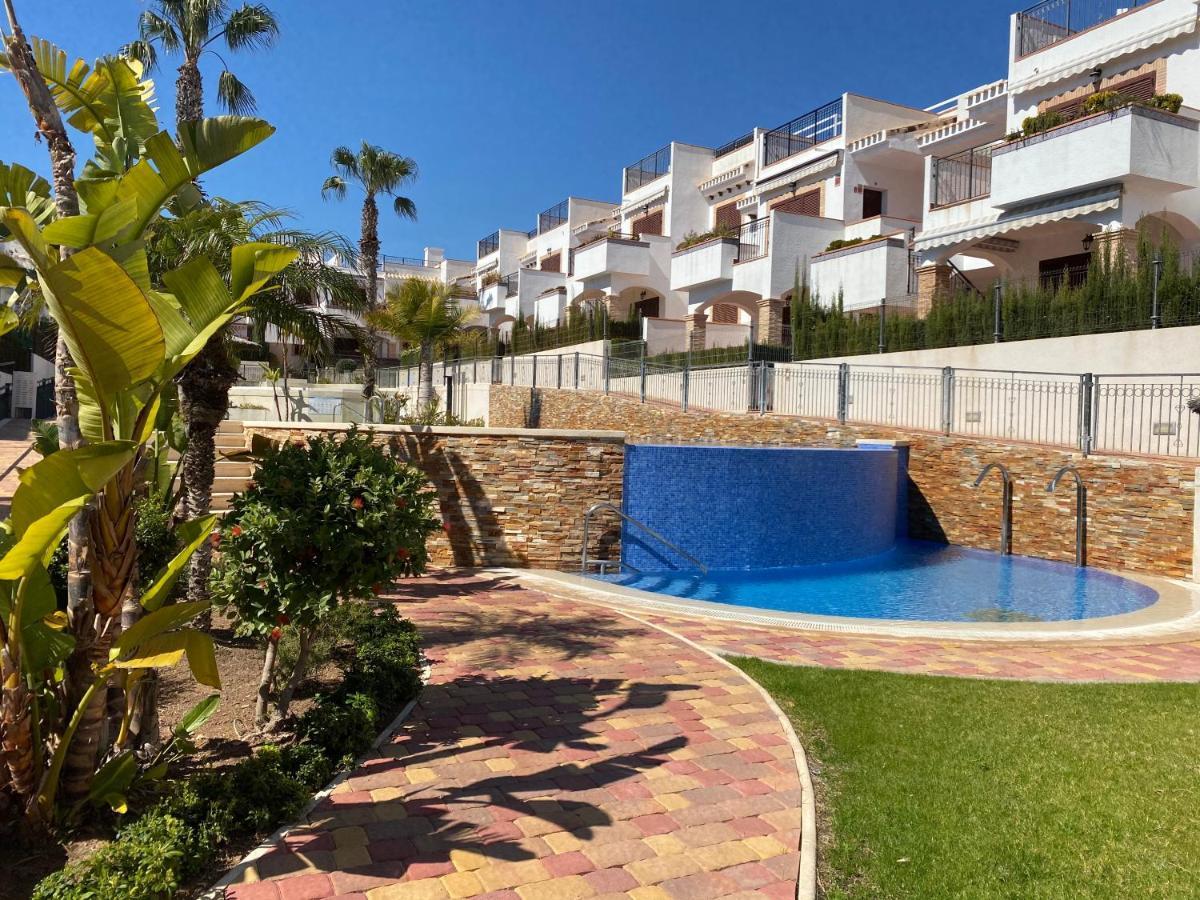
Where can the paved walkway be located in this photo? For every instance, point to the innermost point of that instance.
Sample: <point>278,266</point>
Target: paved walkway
<point>1169,660</point>
<point>14,442</point>
<point>561,751</point>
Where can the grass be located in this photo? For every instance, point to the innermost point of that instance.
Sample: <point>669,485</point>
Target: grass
<point>951,788</point>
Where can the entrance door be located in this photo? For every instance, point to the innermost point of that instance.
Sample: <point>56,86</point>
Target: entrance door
<point>872,203</point>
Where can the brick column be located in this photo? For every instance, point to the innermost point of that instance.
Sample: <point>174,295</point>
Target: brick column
<point>933,281</point>
<point>697,324</point>
<point>618,311</point>
<point>770,321</point>
<point>1109,244</point>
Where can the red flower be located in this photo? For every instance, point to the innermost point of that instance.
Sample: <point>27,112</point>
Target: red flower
<point>376,589</point>
<point>236,530</point>
<point>402,552</point>
<point>447,527</point>
<point>275,633</point>
<point>357,503</point>
<point>215,539</point>
<point>282,619</point>
<point>401,503</point>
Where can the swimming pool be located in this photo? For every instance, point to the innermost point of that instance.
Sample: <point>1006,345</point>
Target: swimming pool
<point>914,581</point>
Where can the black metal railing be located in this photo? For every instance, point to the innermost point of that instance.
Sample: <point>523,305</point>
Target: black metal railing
<point>552,218</point>
<point>43,407</point>
<point>752,240</point>
<point>822,124</point>
<point>1055,20</point>
<point>735,144</point>
<point>510,284</point>
<point>405,261</point>
<point>648,168</point>
<point>531,233</point>
<point>489,244</point>
<point>963,176</point>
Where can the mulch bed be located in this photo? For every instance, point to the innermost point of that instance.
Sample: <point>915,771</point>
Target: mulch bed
<point>224,740</point>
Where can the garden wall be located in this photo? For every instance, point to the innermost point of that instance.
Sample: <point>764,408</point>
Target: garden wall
<point>508,497</point>
<point>1141,510</point>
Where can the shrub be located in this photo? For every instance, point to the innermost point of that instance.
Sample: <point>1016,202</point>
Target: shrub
<point>1105,100</point>
<point>842,244</point>
<point>1169,102</point>
<point>1043,121</point>
<point>325,520</point>
<point>343,727</point>
<point>387,659</point>
<point>151,859</point>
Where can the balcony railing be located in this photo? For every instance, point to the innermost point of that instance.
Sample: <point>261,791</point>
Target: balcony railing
<point>509,283</point>
<point>647,169</point>
<point>736,144</point>
<point>552,218</point>
<point>405,261</point>
<point>1056,20</point>
<point>752,240</point>
<point>489,244</point>
<point>803,132</point>
<point>961,177</point>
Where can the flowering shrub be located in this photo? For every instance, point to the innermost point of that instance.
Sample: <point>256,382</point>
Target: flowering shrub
<point>324,521</point>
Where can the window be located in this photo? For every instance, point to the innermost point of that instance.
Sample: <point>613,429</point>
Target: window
<point>724,314</point>
<point>1064,271</point>
<point>872,203</point>
<point>649,224</point>
<point>727,216</point>
<point>806,204</point>
<point>552,263</point>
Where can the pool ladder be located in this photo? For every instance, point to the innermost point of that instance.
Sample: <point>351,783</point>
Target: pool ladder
<point>603,563</point>
<point>1006,499</point>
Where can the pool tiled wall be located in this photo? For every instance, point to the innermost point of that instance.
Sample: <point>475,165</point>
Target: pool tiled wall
<point>760,507</point>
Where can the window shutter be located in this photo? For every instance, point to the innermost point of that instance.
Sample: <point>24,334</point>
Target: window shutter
<point>649,224</point>
<point>552,263</point>
<point>724,314</point>
<point>806,204</point>
<point>727,216</point>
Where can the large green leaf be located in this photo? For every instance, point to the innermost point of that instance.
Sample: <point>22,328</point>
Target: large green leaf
<point>191,535</point>
<point>21,187</point>
<point>200,291</point>
<point>110,784</point>
<point>50,493</point>
<point>253,265</point>
<point>165,650</point>
<point>158,622</point>
<point>107,322</point>
<point>44,645</point>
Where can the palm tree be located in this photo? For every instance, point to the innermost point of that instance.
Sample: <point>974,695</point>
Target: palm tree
<point>376,171</point>
<point>191,27</point>
<point>211,231</point>
<point>425,313</point>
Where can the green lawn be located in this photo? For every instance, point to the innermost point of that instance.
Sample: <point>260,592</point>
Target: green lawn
<point>950,788</point>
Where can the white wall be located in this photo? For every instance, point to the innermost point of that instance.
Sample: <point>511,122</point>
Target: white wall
<point>1166,350</point>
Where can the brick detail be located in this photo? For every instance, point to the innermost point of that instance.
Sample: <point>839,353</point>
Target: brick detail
<point>1110,244</point>
<point>933,282</point>
<point>1140,510</point>
<point>697,326</point>
<point>770,322</point>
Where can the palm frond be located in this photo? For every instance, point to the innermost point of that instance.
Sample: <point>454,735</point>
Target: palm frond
<point>334,186</point>
<point>405,208</point>
<point>251,26</point>
<point>346,164</point>
<point>143,51</point>
<point>234,95</point>
<point>159,27</point>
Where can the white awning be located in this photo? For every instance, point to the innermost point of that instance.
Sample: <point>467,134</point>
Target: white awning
<point>656,199</point>
<point>802,173</point>
<point>1053,209</point>
<point>1161,32</point>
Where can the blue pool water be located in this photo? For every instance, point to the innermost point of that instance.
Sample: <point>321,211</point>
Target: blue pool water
<point>916,581</point>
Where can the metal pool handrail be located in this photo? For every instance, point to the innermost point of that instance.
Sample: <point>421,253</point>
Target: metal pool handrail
<point>1006,498</point>
<point>596,507</point>
<point>1080,511</point>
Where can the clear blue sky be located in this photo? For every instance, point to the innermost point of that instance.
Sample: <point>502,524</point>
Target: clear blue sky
<point>508,107</point>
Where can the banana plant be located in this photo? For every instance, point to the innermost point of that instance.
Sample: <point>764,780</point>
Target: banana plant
<point>129,342</point>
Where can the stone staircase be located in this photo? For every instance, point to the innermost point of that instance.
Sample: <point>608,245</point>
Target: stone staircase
<point>231,476</point>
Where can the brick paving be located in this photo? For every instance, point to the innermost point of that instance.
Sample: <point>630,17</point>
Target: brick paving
<point>1169,660</point>
<point>560,751</point>
<point>14,455</point>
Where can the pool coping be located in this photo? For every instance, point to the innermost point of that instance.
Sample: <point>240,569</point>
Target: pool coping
<point>1175,614</point>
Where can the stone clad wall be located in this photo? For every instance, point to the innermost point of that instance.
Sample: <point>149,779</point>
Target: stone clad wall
<point>508,498</point>
<point>1140,510</point>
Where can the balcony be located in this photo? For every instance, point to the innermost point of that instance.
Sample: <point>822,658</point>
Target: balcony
<point>704,264</point>
<point>1053,21</point>
<point>865,274</point>
<point>647,169</point>
<point>962,177</point>
<point>488,245</point>
<point>771,251</point>
<point>551,218</point>
<point>1128,146</point>
<point>803,132</point>
<point>612,255</point>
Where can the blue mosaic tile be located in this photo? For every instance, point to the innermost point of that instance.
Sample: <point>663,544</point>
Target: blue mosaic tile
<point>761,507</point>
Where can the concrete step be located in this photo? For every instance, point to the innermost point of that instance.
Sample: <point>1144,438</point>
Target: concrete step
<point>228,485</point>
<point>231,426</point>
<point>227,468</point>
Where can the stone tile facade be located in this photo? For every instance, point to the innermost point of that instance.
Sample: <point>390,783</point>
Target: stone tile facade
<point>507,498</point>
<point>1140,510</point>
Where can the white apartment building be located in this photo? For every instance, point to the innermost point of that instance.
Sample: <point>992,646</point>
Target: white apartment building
<point>871,202</point>
<point>1038,206</point>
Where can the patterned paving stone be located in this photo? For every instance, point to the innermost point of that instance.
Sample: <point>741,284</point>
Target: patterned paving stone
<point>561,751</point>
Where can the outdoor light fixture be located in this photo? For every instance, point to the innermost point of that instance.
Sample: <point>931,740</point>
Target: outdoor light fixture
<point>1088,240</point>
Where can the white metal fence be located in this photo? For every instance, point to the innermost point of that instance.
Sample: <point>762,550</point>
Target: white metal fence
<point>1146,415</point>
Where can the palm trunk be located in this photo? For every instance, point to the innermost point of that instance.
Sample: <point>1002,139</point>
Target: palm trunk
<point>189,92</point>
<point>203,401</point>
<point>425,378</point>
<point>368,248</point>
<point>16,722</point>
